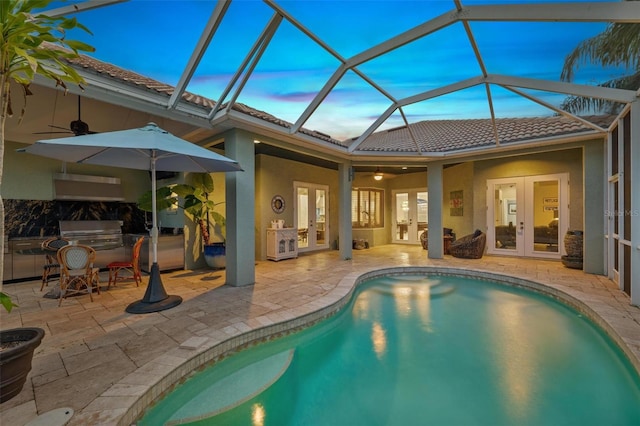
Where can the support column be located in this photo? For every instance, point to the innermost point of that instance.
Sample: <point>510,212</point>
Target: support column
<point>436,191</point>
<point>635,202</point>
<point>240,208</point>
<point>595,203</point>
<point>345,232</point>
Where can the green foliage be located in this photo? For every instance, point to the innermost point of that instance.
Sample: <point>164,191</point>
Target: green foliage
<point>617,46</point>
<point>36,44</point>
<point>195,201</point>
<point>30,45</point>
<point>6,301</point>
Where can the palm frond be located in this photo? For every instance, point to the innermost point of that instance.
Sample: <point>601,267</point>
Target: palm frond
<point>581,104</point>
<point>617,46</point>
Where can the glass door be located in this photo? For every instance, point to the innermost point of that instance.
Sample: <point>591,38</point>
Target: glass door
<point>311,216</point>
<point>505,230</point>
<point>527,215</point>
<point>410,215</point>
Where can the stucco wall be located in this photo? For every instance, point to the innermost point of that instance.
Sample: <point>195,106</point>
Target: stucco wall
<point>275,176</point>
<point>30,177</point>
<point>459,178</point>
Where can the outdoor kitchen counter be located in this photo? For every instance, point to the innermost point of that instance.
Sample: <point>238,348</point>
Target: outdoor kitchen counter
<point>170,251</point>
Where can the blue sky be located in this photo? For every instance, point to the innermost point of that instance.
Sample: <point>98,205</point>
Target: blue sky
<point>156,38</point>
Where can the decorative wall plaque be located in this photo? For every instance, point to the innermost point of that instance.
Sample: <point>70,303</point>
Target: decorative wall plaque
<point>277,204</point>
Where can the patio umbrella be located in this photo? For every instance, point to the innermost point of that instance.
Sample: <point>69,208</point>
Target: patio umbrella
<point>147,148</point>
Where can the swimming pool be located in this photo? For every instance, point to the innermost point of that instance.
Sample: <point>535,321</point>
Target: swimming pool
<point>415,349</point>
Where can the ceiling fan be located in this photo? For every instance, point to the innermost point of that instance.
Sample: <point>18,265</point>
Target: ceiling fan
<point>77,127</point>
<point>378,174</point>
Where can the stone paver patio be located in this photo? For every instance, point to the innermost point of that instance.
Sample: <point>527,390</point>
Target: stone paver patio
<point>107,365</point>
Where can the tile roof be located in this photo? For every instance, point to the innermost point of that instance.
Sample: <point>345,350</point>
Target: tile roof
<point>454,135</point>
<point>431,135</point>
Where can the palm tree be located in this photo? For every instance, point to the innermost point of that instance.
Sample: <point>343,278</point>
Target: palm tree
<point>30,45</point>
<point>617,46</point>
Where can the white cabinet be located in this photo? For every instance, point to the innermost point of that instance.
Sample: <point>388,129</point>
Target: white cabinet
<point>282,243</point>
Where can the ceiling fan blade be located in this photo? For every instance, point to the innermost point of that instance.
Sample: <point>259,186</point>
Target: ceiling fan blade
<point>58,127</point>
<point>76,127</point>
<point>50,133</point>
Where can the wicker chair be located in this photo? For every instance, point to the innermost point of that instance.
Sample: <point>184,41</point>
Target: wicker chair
<point>51,266</point>
<point>470,246</point>
<point>77,273</point>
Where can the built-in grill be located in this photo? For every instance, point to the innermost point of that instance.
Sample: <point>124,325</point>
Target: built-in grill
<point>99,234</point>
<point>105,236</point>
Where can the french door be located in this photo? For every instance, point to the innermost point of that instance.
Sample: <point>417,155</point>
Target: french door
<point>528,216</point>
<point>311,215</point>
<point>410,215</point>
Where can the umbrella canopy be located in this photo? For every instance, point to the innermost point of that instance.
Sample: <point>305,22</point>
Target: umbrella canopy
<point>147,148</point>
<point>135,149</point>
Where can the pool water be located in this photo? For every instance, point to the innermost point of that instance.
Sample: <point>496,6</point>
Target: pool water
<point>411,350</point>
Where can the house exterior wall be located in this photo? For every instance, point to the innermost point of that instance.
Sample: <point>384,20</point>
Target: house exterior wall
<point>374,236</point>
<point>30,177</point>
<point>562,161</point>
<point>275,176</point>
<point>459,178</point>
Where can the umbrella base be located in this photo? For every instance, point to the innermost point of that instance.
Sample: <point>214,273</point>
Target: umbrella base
<point>141,307</point>
<point>155,298</point>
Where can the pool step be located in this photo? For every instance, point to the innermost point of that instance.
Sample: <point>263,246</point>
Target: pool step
<point>414,285</point>
<point>231,391</point>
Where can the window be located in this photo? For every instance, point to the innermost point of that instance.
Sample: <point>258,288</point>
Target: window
<point>367,208</point>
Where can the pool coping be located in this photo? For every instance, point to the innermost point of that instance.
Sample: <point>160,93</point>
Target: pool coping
<point>170,370</point>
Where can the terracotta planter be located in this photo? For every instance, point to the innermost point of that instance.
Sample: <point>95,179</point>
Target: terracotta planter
<point>15,361</point>
<point>215,255</point>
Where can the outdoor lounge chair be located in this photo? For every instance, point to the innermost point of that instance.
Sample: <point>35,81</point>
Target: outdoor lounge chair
<point>470,246</point>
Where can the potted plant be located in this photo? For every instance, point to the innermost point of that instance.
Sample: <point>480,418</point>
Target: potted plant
<point>194,196</point>
<point>16,352</point>
<point>30,45</point>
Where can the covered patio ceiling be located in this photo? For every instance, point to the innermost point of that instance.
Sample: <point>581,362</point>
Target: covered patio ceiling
<point>323,77</point>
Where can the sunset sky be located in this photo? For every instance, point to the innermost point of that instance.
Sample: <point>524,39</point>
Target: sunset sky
<point>156,38</point>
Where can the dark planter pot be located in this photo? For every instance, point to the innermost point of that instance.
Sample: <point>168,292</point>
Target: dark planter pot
<point>573,244</point>
<point>15,362</point>
<point>215,255</point>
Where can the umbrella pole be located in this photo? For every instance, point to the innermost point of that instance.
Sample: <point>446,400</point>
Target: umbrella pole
<point>155,297</point>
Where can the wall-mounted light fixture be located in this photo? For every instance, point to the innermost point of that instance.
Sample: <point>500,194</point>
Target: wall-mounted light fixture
<point>378,174</point>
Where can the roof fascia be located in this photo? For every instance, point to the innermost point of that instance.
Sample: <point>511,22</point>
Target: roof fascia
<point>198,52</point>
<point>543,146</point>
<point>620,12</point>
